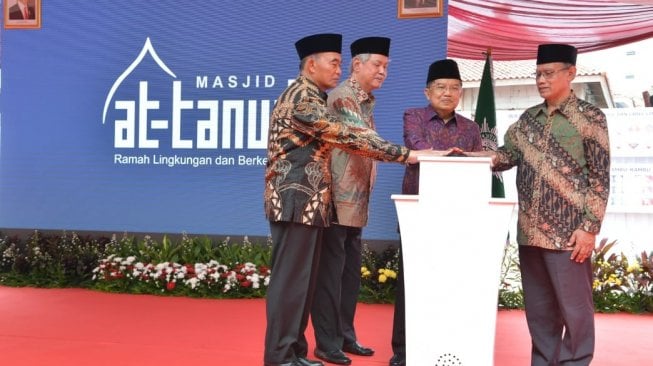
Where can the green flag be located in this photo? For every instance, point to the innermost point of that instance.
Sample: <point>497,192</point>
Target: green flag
<point>486,118</point>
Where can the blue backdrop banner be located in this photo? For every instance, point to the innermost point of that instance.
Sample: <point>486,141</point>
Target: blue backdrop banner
<point>152,116</point>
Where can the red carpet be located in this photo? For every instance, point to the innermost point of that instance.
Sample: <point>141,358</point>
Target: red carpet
<point>74,327</point>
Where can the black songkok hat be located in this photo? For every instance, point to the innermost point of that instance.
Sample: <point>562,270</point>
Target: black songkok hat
<point>316,43</point>
<point>377,45</point>
<point>547,53</point>
<point>443,69</point>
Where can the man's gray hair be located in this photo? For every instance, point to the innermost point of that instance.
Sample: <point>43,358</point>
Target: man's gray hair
<point>303,62</point>
<point>362,57</point>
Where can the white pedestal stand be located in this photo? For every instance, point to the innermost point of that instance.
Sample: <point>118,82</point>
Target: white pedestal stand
<point>453,236</point>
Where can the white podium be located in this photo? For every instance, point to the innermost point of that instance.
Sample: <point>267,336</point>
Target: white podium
<point>453,236</point>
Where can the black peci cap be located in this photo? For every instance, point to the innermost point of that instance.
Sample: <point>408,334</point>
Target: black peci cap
<point>316,43</point>
<point>553,52</point>
<point>443,69</point>
<point>377,45</point>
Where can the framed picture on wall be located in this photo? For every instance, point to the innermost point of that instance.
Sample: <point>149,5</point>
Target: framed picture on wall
<point>419,8</point>
<point>22,14</point>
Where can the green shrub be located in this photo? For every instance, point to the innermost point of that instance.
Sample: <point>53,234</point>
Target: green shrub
<point>379,275</point>
<point>200,267</point>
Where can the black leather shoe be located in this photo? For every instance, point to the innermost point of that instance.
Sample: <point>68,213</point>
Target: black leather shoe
<point>301,361</point>
<point>356,348</point>
<point>337,357</point>
<point>398,360</point>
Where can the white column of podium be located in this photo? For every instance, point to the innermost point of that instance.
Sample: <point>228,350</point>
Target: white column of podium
<point>453,237</point>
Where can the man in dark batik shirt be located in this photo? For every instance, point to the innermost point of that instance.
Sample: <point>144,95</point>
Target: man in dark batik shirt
<point>435,126</point>
<point>297,192</point>
<point>562,154</point>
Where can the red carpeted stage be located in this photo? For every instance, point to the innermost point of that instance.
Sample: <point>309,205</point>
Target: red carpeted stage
<point>80,327</point>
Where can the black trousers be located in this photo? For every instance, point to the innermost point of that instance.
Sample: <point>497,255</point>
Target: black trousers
<point>559,306</point>
<point>295,258</point>
<point>399,318</point>
<point>338,284</point>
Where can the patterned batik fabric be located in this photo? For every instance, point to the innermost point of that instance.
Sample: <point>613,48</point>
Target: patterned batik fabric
<point>301,137</point>
<point>563,171</point>
<point>424,129</point>
<point>353,175</point>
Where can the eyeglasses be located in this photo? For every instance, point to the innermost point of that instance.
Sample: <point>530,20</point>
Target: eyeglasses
<point>548,74</point>
<point>441,88</point>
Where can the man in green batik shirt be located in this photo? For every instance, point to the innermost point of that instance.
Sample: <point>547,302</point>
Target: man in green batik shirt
<point>562,154</point>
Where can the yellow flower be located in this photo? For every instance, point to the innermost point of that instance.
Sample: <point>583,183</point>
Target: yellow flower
<point>382,278</point>
<point>365,273</point>
<point>633,267</point>
<point>617,282</point>
<point>390,273</point>
<point>596,284</point>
